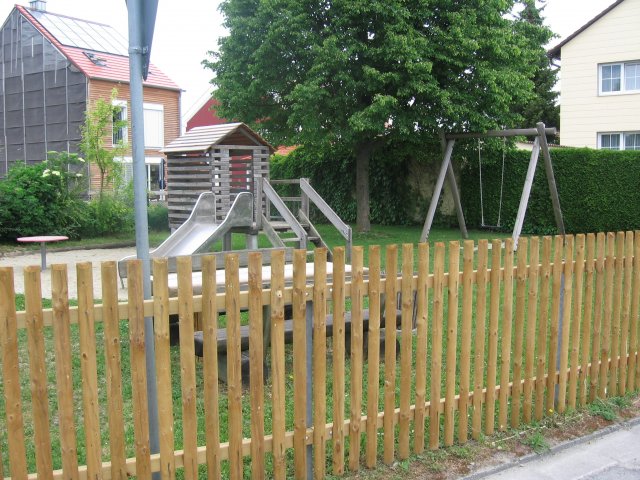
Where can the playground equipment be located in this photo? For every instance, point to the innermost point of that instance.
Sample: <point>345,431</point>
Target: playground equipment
<point>218,185</point>
<point>446,169</point>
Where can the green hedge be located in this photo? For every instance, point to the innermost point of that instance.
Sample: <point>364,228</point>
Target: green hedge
<point>599,190</point>
<point>332,175</point>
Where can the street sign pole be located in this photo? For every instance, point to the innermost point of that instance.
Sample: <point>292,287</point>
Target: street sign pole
<point>139,47</point>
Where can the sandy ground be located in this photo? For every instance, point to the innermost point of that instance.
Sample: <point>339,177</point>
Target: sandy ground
<point>70,258</point>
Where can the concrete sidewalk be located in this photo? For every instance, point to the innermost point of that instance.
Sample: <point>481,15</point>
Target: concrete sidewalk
<point>609,454</point>
<point>70,258</point>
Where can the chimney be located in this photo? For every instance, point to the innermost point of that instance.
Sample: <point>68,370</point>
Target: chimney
<point>39,5</point>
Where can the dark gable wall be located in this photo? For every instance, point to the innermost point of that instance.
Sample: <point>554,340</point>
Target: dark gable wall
<point>42,97</point>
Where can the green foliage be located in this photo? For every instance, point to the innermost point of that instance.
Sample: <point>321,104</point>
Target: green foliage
<point>360,74</point>
<point>110,213</point>
<point>537,442</point>
<point>598,189</point>
<point>43,198</point>
<point>98,124</point>
<point>332,175</point>
<point>603,408</point>
<point>158,215</point>
<point>541,106</point>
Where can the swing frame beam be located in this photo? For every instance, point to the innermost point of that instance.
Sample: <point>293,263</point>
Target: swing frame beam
<point>446,169</point>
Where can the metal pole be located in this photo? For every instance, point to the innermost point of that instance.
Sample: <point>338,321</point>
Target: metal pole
<point>513,132</point>
<point>134,8</point>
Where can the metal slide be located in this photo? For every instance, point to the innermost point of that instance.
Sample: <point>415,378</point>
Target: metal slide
<point>201,230</point>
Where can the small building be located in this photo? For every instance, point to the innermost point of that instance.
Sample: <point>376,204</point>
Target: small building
<point>224,159</point>
<point>600,80</point>
<point>54,68</point>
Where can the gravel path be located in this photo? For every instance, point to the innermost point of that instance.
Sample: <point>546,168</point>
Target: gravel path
<point>71,258</point>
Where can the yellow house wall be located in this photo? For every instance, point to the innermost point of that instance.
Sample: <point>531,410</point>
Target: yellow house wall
<point>583,111</point>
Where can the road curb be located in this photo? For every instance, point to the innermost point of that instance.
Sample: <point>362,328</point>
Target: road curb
<point>521,461</point>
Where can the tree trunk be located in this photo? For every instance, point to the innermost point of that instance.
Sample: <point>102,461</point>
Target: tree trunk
<point>363,155</point>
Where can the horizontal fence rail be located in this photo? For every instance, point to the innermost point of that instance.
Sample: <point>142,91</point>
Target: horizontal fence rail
<point>312,368</point>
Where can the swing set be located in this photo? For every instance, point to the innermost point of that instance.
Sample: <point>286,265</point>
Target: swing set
<point>446,169</point>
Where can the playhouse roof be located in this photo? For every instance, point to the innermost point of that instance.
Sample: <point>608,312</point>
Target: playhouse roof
<point>97,50</point>
<point>202,139</point>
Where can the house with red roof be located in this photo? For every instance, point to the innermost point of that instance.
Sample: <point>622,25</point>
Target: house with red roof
<point>54,68</point>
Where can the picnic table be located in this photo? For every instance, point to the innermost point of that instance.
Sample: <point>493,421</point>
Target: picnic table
<point>43,240</point>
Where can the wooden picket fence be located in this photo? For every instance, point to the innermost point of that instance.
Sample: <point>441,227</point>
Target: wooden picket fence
<point>488,339</point>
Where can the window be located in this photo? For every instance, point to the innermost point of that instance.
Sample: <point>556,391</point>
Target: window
<point>153,125</point>
<point>619,141</point>
<point>120,124</point>
<point>620,78</point>
<point>155,172</point>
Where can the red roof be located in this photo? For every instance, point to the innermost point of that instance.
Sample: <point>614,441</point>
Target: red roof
<point>111,66</point>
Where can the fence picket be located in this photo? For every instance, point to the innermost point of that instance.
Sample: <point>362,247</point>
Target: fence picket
<point>88,364</point>
<point>422,299</point>
<point>576,320</point>
<point>626,311</point>
<point>338,299</point>
<point>566,323</point>
<point>277,363</point>
<point>357,356</point>
<point>492,361</point>
<point>633,370</point>
<point>37,371</point>
<point>390,354</point>
<point>234,369</point>
<point>11,375</point>
<point>530,335</point>
<point>452,341</point>
<point>187,367</point>
<point>479,352</point>
<point>210,366</point>
<point>617,314</point>
<point>406,340</point>
<point>507,320</point>
<point>64,383</point>
<point>587,319</point>
<point>300,361</point>
<point>521,288</point>
<point>554,321</point>
<point>373,379</point>
<point>543,330</point>
<point>465,353</point>
<point>436,346</point>
<point>607,320</point>
<point>163,368</point>
<point>256,365</point>
<point>135,309</point>
<point>594,378</point>
<point>319,361</point>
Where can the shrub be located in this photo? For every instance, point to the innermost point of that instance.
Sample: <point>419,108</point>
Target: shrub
<point>110,214</point>
<point>158,215</point>
<point>598,190</point>
<point>43,198</point>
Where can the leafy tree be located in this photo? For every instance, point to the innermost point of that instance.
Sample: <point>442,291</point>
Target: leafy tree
<point>541,107</point>
<point>98,125</point>
<point>360,73</point>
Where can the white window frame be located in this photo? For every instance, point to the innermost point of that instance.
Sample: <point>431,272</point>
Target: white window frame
<point>623,87</point>
<point>148,161</point>
<point>125,130</point>
<point>621,139</point>
<point>155,107</point>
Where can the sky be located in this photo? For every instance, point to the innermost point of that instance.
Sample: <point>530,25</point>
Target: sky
<point>187,29</point>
